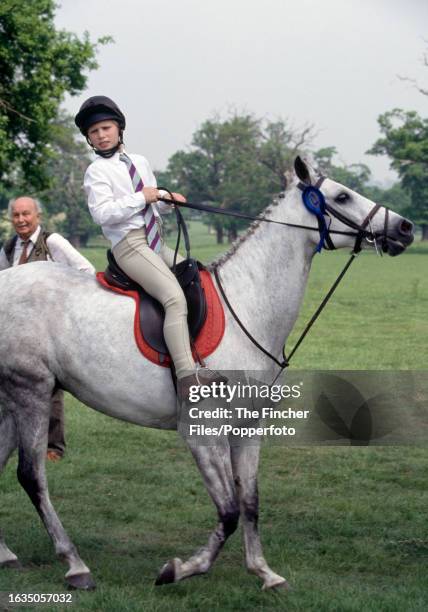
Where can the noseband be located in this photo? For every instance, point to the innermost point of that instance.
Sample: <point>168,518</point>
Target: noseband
<point>316,204</point>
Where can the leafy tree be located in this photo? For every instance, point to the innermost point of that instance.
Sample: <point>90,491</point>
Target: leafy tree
<point>222,168</point>
<point>405,142</point>
<point>65,199</point>
<point>38,65</point>
<point>279,146</point>
<point>238,163</point>
<point>5,226</point>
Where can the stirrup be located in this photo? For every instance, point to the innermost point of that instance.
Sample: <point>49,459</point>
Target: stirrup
<point>214,376</point>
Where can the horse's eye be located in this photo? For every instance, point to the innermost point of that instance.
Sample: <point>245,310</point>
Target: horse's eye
<point>342,198</point>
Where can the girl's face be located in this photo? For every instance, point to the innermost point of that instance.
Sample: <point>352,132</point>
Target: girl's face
<point>104,135</point>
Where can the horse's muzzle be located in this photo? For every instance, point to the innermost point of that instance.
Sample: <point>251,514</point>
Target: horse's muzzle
<point>399,237</point>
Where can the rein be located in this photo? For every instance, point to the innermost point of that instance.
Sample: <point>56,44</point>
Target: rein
<point>314,201</point>
<point>234,213</point>
<point>286,360</point>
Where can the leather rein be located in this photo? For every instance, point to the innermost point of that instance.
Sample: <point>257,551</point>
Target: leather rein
<point>328,211</point>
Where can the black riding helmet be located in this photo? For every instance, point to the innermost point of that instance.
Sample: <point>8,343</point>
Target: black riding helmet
<point>100,108</point>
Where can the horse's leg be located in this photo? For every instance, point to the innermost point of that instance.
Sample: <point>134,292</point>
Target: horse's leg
<point>8,443</point>
<point>245,462</point>
<point>216,469</point>
<point>32,417</point>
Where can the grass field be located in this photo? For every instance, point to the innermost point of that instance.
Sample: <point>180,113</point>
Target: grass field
<point>346,526</point>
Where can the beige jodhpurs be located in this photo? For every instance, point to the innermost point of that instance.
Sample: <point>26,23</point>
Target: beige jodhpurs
<point>152,271</point>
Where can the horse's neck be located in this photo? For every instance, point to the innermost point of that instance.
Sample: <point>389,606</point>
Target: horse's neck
<point>265,277</point>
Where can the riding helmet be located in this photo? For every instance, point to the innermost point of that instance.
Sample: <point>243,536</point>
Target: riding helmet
<point>98,108</point>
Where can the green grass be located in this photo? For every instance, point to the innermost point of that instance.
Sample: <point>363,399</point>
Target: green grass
<point>377,319</point>
<point>346,526</point>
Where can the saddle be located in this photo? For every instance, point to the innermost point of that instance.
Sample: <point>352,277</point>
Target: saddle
<point>151,312</point>
<point>205,313</point>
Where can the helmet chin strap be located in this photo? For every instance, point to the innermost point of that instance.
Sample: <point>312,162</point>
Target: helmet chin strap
<point>109,152</point>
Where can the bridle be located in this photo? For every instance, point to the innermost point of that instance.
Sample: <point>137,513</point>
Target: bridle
<point>314,200</point>
<point>360,234</point>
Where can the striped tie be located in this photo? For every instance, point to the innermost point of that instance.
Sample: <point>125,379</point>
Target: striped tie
<point>152,234</point>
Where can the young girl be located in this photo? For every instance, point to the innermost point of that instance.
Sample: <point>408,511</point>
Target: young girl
<point>123,199</point>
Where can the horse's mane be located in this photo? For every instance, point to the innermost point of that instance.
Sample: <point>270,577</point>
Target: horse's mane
<point>236,244</point>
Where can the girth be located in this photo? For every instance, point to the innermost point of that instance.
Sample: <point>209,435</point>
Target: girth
<point>152,313</point>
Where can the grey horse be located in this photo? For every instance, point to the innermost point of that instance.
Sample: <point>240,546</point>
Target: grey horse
<point>80,336</point>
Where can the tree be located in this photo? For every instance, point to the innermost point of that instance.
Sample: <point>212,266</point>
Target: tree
<point>5,225</point>
<point>65,197</point>
<point>405,142</point>
<point>222,168</point>
<point>38,65</point>
<point>238,163</point>
<point>279,146</point>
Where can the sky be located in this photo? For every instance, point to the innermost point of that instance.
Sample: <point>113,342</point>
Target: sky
<point>332,63</point>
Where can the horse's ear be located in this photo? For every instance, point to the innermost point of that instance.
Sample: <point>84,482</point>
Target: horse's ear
<point>302,170</point>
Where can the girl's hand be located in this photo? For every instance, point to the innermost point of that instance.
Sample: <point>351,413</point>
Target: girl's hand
<point>151,194</point>
<point>178,197</point>
<point>175,196</point>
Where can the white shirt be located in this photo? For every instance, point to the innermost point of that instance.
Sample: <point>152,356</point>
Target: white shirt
<point>112,201</point>
<point>60,248</point>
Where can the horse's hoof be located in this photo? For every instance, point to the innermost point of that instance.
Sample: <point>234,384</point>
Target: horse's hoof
<point>276,586</point>
<point>53,455</point>
<point>168,573</point>
<point>12,564</point>
<point>83,582</point>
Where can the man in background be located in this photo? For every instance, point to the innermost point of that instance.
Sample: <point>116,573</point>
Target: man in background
<point>32,243</point>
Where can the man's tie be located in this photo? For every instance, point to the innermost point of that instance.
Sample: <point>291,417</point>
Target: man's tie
<point>24,254</point>
<point>152,234</point>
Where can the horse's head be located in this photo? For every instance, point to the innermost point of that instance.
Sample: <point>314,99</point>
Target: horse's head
<point>346,218</point>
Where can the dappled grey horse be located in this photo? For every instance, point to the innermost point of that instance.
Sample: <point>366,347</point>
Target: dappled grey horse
<point>59,327</point>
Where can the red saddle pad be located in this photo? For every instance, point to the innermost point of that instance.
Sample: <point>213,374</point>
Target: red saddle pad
<point>210,335</point>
